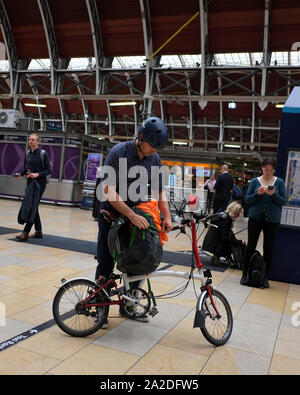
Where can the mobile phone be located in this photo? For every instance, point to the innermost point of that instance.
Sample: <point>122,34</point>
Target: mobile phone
<point>271,187</point>
<point>16,175</point>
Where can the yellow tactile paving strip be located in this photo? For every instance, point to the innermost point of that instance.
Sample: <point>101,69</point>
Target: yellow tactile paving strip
<point>265,339</point>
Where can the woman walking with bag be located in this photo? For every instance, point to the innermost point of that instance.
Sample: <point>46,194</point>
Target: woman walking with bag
<point>265,197</point>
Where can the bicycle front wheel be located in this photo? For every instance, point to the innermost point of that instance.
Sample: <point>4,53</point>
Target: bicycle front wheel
<point>218,320</point>
<point>69,314</point>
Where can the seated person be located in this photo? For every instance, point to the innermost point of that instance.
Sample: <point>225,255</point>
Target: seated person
<point>220,241</point>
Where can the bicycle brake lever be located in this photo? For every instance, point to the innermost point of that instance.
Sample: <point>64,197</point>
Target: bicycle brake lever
<point>182,230</point>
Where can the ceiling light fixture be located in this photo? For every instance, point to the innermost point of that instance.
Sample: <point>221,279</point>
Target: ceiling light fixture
<point>232,146</point>
<point>179,143</point>
<point>34,105</point>
<point>124,103</point>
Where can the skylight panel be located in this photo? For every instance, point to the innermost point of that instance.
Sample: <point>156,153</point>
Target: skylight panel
<point>82,63</point>
<point>191,60</point>
<point>170,61</point>
<point>4,65</point>
<point>256,57</point>
<point>39,64</point>
<point>295,58</point>
<point>280,58</point>
<point>128,62</point>
<point>232,59</point>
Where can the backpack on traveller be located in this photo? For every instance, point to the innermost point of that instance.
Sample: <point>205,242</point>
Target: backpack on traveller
<point>42,156</point>
<point>257,270</point>
<point>136,251</point>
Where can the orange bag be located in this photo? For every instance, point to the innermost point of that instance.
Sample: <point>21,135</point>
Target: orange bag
<point>151,208</point>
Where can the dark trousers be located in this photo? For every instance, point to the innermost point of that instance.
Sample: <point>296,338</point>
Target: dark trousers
<point>37,219</point>
<point>209,199</point>
<point>105,261</point>
<point>220,204</point>
<point>255,226</point>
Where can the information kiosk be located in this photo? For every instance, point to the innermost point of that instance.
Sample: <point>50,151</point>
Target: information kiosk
<point>286,254</point>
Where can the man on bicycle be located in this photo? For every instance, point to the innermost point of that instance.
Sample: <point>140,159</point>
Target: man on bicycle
<point>124,159</point>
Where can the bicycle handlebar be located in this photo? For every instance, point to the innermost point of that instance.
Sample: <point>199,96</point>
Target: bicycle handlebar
<point>196,218</point>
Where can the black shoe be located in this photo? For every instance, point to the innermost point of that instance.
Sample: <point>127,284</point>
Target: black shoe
<point>37,235</point>
<point>22,237</point>
<point>105,324</point>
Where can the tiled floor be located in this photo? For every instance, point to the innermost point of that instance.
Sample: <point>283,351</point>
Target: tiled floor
<point>265,338</point>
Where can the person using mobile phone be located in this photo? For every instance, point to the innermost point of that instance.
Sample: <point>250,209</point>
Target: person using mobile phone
<point>265,197</point>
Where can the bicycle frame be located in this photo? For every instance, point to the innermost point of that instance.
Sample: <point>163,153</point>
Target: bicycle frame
<point>205,284</point>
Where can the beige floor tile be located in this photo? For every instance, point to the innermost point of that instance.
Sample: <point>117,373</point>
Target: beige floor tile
<point>23,282</point>
<point>14,270</point>
<point>287,348</point>
<point>45,290</point>
<point>159,288</point>
<point>294,291</point>
<point>96,360</point>
<point>226,361</point>
<point>284,366</point>
<point>187,338</point>
<point>4,289</point>
<point>35,315</point>
<point>165,360</point>
<point>55,345</point>
<point>272,298</point>
<point>18,361</point>
<point>17,302</point>
<point>289,333</point>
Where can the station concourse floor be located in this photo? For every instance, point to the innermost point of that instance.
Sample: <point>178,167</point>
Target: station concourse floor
<point>265,339</point>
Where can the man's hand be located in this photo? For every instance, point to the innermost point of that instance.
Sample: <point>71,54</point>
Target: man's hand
<point>138,221</point>
<point>167,225</point>
<point>32,175</point>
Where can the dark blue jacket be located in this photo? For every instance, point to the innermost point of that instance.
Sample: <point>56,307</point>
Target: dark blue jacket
<point>270,206</point>
<point>33,162</point>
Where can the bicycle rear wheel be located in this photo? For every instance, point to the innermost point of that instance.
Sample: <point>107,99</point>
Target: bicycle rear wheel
<point>217,328</point>
<point>69,314</point>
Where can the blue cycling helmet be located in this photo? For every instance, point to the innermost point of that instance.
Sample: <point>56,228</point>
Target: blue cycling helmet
<point>154,132</point>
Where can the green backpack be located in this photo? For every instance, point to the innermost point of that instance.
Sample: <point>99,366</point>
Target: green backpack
<point>136,251</point>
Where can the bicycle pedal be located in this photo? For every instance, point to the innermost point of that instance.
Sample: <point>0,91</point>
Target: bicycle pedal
<point>152,312</point>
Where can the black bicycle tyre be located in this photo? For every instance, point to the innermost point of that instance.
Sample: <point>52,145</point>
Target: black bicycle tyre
<point>227,334</point>
<point>57,316</point>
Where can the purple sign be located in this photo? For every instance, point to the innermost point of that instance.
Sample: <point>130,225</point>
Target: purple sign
<point>94,161</point>
<point>71,163</point>
<point>11,158</point>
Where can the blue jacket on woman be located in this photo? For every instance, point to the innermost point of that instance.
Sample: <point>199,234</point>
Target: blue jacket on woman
<point>270,206</point>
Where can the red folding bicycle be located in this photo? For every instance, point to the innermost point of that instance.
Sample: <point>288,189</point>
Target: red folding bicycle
<point>81,306</point>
